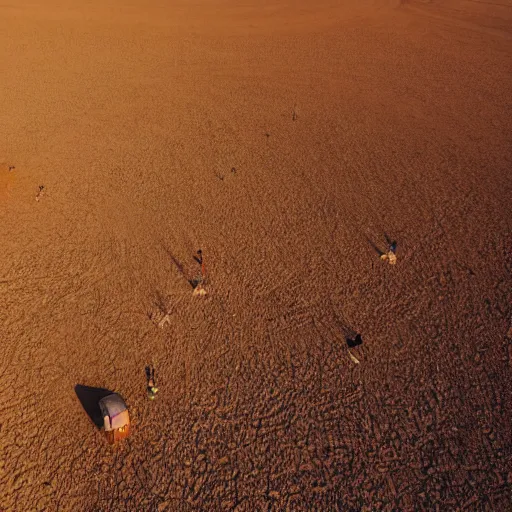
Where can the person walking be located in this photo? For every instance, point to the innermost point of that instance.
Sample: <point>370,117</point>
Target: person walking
<point>152,390</point>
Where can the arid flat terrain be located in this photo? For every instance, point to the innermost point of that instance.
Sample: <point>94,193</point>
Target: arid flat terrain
<point>291,141</point>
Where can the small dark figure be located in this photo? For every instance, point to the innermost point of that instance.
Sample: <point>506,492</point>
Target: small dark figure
<point>392,247</point>
<point>355,342</point>
<point>152,390</point>
<point>40,193</point>
<point>199,282</point>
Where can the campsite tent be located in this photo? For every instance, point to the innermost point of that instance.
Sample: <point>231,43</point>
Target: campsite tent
<point>116,419</point>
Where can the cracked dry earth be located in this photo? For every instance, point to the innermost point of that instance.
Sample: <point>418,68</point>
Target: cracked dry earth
<point>346,123</point>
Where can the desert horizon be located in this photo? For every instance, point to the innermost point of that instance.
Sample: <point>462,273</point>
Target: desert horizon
<point>300,147</point>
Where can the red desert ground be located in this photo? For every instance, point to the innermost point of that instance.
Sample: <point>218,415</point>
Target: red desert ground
<point>292,142</point>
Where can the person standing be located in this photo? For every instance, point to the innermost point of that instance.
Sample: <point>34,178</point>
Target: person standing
<point>152,390</point>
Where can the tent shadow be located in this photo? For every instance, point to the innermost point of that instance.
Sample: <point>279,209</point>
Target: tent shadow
<point>89,398</point>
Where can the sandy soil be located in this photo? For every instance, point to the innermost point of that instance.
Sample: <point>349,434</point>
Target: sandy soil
<point>287,140</point>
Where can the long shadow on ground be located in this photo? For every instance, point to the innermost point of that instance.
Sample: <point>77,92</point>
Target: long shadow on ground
<point>89,398</point>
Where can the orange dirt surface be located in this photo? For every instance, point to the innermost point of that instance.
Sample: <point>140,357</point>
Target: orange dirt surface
<point>289,140</point>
